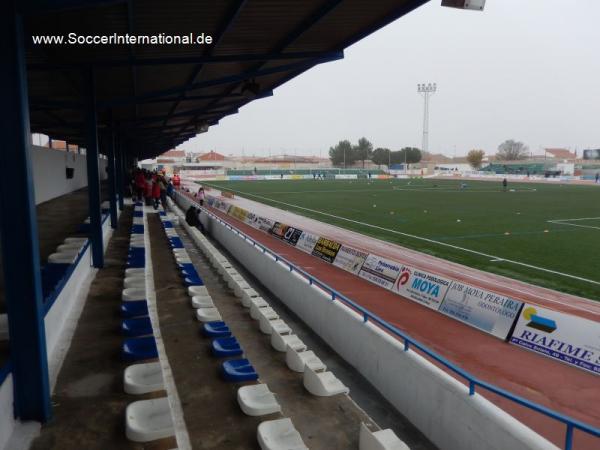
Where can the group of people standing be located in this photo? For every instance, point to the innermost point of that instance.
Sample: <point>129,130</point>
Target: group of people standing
<point>152,187</point>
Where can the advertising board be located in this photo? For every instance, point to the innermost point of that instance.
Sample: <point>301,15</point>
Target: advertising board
<point>307,242</point>
<point>381,271</point>
<point>488,311</point>
<point>326,249</point>
<point>350,259</point>
<point>421,287</point>
<point>570,339</point>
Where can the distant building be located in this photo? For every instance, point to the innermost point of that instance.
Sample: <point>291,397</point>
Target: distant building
<point>210,156</point>
<point>172,157</point>
<point>559,153</point>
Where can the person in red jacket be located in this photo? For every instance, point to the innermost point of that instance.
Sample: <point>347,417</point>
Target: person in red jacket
<point>155,192</point>
<point>140,185</point>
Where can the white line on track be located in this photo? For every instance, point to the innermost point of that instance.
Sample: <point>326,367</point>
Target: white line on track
<point>412,236</point>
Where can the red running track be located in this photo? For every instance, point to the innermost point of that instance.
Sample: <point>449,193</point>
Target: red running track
<point>562,388</point>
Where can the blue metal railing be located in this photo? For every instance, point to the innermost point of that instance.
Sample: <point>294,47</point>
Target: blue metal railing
<point>570,423</point>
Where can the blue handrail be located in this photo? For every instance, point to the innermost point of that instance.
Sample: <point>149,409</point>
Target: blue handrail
<point>571,424</point>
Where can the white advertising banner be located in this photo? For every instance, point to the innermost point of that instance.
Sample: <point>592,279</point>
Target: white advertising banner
<point>572,340</point>
<point>488,311</point>
<point>307,242</point>
<point>381,271</point>
<point>422,287</point>
<point>350,259</point>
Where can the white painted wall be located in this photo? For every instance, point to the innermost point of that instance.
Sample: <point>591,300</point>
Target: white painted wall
<point>60,323</point>
<point>7,420</point>
<point>49,172</point>
<point>433,401</point>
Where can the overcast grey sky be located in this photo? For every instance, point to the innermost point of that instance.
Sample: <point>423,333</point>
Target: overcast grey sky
<point>522,69</point>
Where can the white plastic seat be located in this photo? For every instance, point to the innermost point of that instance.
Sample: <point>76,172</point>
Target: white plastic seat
<point>222,267</point>
<point>297,361</point>
<point>276,326</point>
<point>249,295</point>
<point>208,314</point>
<point>323,384</point>
<point>257,400</point>
<point>202,301</point>
<point>143,378</point>
<point>69,248</point>
<point>257,304</point>
<point>280,342</point>
<point>136,281</point>
<point>269,313</point>
<point>149,420</point>
<point>133,271</point>
<point>3,327</point>
<point>268,325</point>
<point>72,240</point>
<point>279,435</point>
<point>132,294</point>
<point>235,280</point>
<point>239,289</point>
<point>183,259</point>
<point>197,290</point>
<point>379,440</point>
<point>62,258</point>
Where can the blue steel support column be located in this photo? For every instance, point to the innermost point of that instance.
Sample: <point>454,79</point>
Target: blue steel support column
<point>18,231</point>
<point>92,171</point>
<point>112,193</point>
<point>119,162</point>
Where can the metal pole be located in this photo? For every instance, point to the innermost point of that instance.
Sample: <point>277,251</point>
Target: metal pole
<point>92,172</point>
<point>112,191</point>
<point>119,163</point>
<point>426,90</point>
<point>19,233</point>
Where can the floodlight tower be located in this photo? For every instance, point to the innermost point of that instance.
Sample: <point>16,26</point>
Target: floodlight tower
<point>426,90</point>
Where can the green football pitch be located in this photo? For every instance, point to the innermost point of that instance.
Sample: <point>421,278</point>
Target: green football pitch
<point>544,234</point>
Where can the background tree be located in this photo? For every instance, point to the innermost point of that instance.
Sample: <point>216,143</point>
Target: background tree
<point>475,157</point>
<point>363,150</point>
<point>512,150</point>
<point>336,154</point>
<point>381,156</point>
<point>409,155</point>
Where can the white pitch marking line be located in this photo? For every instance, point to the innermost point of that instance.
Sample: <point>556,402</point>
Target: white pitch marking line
<point>566,222</point>
<point>444,244</point>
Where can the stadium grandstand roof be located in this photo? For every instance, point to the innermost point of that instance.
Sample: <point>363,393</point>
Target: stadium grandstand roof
<point>159,96</point>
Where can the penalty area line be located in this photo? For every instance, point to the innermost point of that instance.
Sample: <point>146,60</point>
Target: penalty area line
<point>420,238</point>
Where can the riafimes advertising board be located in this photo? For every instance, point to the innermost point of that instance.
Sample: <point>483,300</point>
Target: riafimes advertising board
<point>572,340</point>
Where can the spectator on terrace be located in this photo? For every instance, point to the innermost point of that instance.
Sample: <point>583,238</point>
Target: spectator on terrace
<point>201,195</point>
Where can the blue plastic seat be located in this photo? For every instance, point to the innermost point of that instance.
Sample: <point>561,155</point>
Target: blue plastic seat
<point>134,308</point>
<point>193,281</point>
<point>136,349</point>
<point>138,214</point>
<point>190,273</point>
<point>137,229</point>
<point>162,213</point>
<point>136,327</point>
<point>185,266</point>
<point>226,346</point>
<point>167,224</point>
<point>136,264</point>
<point>237,370</point>
<point>52,275</point>
<point>216,329</point>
